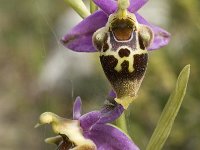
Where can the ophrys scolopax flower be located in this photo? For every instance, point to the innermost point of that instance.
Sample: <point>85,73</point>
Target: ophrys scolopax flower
<point>123,39</point>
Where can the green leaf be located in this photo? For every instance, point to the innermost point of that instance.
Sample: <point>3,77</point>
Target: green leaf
<point>170,112</point>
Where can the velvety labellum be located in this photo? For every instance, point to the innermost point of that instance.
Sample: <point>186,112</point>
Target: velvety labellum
<point>122,45</point>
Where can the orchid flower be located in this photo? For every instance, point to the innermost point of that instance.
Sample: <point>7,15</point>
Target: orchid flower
<point>123,38</point>
<point>79,38</point>
<point>89,131</point>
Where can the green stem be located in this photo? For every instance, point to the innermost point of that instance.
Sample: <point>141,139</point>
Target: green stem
<point>79,7</point>
<point>121,123</point>
<point>93,7</point>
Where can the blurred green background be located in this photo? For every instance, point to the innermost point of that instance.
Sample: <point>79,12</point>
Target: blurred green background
<point>37,74</point>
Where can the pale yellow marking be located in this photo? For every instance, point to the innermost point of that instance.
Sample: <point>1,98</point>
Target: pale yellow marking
<point>122,9</point>
<point>123,4</point>
<point>122,14</point>
<point>125,101</point>
<point>101,33</point>
<point>130,58</point>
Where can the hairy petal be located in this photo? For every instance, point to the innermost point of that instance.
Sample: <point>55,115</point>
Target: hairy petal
<point>161,37</point>
<point>108,6</point>
<point>110,114</point>
<point>89,119</point>
<point>135,5</point>
<point>107,137</point>
<point>79,38</point>
<point>77,108</point>
<point>112,110</point>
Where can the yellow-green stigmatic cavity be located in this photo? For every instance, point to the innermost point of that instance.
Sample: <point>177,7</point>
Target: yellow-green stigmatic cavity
<point>122,45</point>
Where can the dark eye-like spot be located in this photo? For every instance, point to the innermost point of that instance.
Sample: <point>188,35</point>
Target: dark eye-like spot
<point>105,47</point>
<point>124,52</point>
<point>141,43</point>
<point>101,43</point>
<point>97,44</point>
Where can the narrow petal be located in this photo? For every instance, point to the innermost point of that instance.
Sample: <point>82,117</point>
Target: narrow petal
<point>80,37</point>
<point>89,119</point>
<point>110,114</point>
<point>108,6</point>
<point>135,5</point>
<point>107,137</point>
<point>161,37</point>
<point>77,108</point>
<point>111,110</point>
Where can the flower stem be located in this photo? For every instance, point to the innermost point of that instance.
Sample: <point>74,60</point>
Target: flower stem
<point>93,7</point>
<point>121,123</point>
<point>79,7</point>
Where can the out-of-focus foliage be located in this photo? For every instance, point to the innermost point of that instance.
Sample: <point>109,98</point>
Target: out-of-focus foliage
<point>27,37</point>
